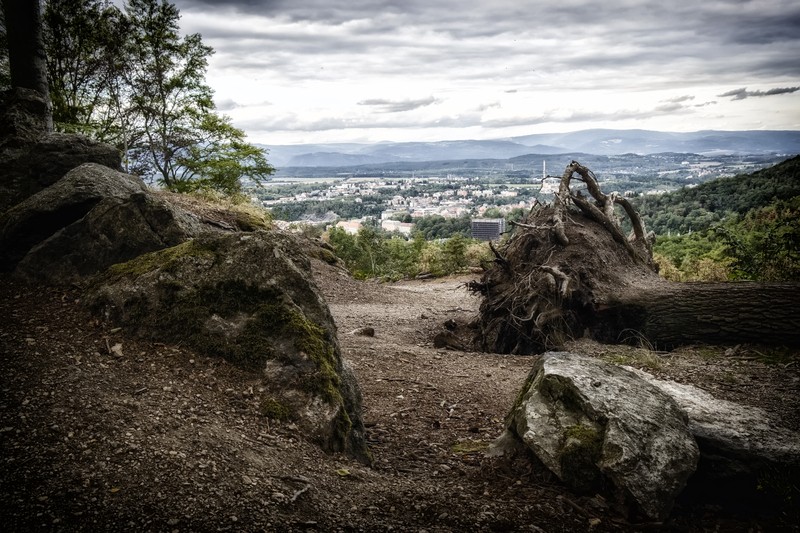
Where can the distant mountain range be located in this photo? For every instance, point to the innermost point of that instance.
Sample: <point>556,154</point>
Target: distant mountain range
<point>596,141</point>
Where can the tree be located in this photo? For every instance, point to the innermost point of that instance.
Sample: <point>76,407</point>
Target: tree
<point>131,79</point>
<point>85,42</point>
<point>26,52</point>
<point>5,69</point>
<point>454,252</point>
<point>219,158</point>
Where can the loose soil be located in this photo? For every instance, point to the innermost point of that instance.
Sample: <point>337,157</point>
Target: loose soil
<point>104,432</point>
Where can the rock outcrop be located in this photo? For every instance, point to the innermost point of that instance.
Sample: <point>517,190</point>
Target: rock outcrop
<point>87,221</point>
<point>251,299</point>
<point>168,274</point>
<point>597,425</point>
<point>32,159</point>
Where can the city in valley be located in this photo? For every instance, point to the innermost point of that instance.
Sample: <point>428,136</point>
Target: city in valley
<point>400,194</point>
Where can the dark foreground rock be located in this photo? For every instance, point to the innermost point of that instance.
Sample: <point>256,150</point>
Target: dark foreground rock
<point>597,426</point>
<point>248,298</point>
<point>746,457</point>
<point>32,159</point>
<point>92,218</point>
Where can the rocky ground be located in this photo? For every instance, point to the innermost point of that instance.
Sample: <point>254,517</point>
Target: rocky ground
<point>100,431</point>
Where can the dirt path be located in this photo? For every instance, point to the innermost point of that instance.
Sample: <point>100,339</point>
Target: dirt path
<point>100,431</point>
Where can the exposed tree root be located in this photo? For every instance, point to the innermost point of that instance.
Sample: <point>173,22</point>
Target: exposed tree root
<point>542,289</point>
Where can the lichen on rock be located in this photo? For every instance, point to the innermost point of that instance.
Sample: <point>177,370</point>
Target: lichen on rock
<point>597,426</point>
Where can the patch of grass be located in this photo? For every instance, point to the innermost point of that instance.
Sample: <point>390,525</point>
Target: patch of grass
<point>469,446</point>
<point>708,352</point>
<point>236,209</point>
<point>777,356</point>
<point>635,357</point>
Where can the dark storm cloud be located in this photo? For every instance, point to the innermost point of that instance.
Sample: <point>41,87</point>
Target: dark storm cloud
<point>741,94</point>
<point>533,54</point>
<point>317,10</point>
<point>459,34</point>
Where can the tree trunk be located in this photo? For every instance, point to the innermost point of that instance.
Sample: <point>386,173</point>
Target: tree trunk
<point>568,271</point>
<point>26,55</point>
<point>672,314</point>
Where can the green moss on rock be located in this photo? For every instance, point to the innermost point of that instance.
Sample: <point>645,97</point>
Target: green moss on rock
<point>250,221</point>
<point>249,299</point>
<point>582,450</point>
<point>272,408</point>
<point>164,260</point>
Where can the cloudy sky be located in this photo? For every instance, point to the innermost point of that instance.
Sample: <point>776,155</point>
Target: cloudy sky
<point>303,71</point>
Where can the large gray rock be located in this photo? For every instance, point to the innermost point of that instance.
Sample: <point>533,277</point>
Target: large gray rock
<point>744,452</point>
<point>84,223</point>
<point>251,299</point>
<point>596,424</point>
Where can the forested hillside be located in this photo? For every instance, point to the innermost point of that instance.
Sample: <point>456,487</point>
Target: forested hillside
<point>743,227</point>
<point>697,208</point>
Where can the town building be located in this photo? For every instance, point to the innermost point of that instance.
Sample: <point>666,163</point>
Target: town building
<point>488,229</point>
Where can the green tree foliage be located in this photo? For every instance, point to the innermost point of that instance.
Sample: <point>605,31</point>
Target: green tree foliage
<point>698,256</point>
<point>454,251</point>
<point>373,253</point>
<point>85,55</point>
<point>765,244</point>
<point>130,78</point>
<point>699,208</point>
<point>439,227</point>
<point>749,227</point>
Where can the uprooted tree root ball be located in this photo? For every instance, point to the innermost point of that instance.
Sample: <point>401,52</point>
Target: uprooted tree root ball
<point>545,282</point>
<point>568,271</point>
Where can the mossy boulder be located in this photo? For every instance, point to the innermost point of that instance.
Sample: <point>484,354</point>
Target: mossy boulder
<point>249,298</point>
<point>600,427</point>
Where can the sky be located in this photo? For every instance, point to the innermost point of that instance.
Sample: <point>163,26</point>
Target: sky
<point>326,71</point>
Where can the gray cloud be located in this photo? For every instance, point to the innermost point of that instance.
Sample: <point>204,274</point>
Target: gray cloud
<point>227,104</point>
<point>741,94</point>
<point>679,99</point>
<point>518,49</point>
<point>471,38</point>
<point>398,106</point>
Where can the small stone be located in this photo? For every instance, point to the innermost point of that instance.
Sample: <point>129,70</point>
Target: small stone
<point>366,331</point>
